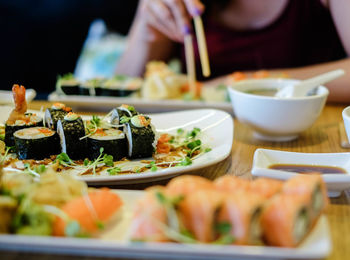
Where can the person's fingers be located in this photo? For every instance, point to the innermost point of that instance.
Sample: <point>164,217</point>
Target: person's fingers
<point>163,14</point>
<point>157,23</point>
<point>194,7</point>
<point>181,16</point>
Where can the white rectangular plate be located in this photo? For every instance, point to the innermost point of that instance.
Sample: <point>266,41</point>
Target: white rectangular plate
<point>114,243</point>
<point>336,183</point>
<point>143,105</point>
<point>217,132</point>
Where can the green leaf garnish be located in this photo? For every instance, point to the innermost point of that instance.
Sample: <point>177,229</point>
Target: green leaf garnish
<point>86,162</point>
<point>185,162</point>
<point>63,158</point>
<point>100,225</point>
<point>180,131</point>
<point>114,171</point>
<point>194,132</point>
<point>194,144</point>
<point>124,119</point>
<point>207,150</point>
<point>95,120</point>
<point>222,228</point>
<point>108,160</point>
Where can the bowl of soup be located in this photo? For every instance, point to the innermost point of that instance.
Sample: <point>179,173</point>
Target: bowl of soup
<point>272,118</point>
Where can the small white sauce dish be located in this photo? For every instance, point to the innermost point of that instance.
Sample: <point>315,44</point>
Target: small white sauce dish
<point>273,118</point>
<point>336,183</point>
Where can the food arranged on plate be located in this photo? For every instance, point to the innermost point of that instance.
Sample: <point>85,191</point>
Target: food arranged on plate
<point>189,209</point>
<point>63,141</point>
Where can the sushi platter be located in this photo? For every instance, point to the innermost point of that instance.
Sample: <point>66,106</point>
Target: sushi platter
<point>120,235</point>
<point>216,135</point>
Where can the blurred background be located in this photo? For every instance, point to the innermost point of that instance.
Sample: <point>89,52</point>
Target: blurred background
<point>41,39</point>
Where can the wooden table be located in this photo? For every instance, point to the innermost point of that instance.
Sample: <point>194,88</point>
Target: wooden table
<point>323,136</point>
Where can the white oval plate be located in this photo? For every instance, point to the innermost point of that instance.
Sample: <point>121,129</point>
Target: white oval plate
<point>217,132</point>
<point>336,183</point>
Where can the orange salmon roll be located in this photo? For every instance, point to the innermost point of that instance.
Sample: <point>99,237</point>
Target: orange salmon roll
<point>266,187</point>
<point>285,220</point>
<point>91,211</point>
<point>187,184</point>
<point>230,183</point>
<point>149,214</point>
<point>312,188</point>
<point>198,212</point>
<point>242,211</point>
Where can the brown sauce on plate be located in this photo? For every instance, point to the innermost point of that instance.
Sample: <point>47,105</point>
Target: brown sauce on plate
<point>300,168</point>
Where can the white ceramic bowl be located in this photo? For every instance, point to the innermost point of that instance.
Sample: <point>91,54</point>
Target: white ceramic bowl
<point>272,118</point>
<point>346,118</point>
<point>336,183</point>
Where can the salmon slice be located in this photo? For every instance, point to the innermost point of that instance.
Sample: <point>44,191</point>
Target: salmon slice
<point>198,213</point>
<point>230,183</point>
<point>285,220</point>
<point>90,211</point>
<point>242,211</point>
<point>149,215</point>
<point>266,187</point>
<point>312,188</point>
<point>187,184</point>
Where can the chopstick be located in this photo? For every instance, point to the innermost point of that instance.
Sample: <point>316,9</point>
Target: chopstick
<point>202,45</point>
<point>190,64</point>
<point>344,142</point>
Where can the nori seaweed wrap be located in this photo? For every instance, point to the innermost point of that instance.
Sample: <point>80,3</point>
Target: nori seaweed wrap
<point>55,113</point>
<point>70,130</point>
<point>32,121</point>
<point>120,86</point>
<point>36,143</point>
<point>140,136</point>
<point>123,110</point>
<point>112,140</point>
<point>67,84</point>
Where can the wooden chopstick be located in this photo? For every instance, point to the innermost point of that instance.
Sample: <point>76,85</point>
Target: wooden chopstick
<point>344,142</point>
<point>202,45</point>
<point>190,64</point>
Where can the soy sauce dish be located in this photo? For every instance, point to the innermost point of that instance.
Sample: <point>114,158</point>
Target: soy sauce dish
<point>334,167</point>
<point>273,118</point>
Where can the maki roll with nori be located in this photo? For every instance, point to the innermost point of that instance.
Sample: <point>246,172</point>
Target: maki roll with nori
<point>91,87</point>
<point>112,140</point>
<point>55,113</point>
<point>123,110</point>
<point>140,137</point>
<point>67,84</point>
<point>120,86</point>
<point>26,121</point>
<point>71,130</point>
<point>36,143</point>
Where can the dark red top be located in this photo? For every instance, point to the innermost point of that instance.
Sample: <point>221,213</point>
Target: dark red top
<point>304,34</point>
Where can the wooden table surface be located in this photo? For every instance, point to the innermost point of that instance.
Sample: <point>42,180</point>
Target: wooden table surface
<point>323,136</point>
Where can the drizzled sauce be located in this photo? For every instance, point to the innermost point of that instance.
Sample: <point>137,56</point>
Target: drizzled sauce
<point>300,168</point>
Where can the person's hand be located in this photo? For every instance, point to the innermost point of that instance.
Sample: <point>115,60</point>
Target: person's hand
<point>170,17</point>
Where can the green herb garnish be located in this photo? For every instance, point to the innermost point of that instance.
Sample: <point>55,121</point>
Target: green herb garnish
<point>124,119</point>
<point>114,171</point>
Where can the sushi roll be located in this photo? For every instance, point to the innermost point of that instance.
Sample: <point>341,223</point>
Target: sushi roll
<point>285,220</point>
<point>148,217</point>
<point>67,84</point>
<point>29,120</point>
<point>140,137</point>
<point>312,188</point>
<point>186,184</point>
<point>242,211</point>
<point>120,86</point>
<point>198,214</point>
<point>55,113</point>
<point>91,87</point>
<point>265,187</point>
<point>36,143</point>
<point>112,140</point>
<point>119,112</point>
<point>70,130</point>
<point>231,183</point>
